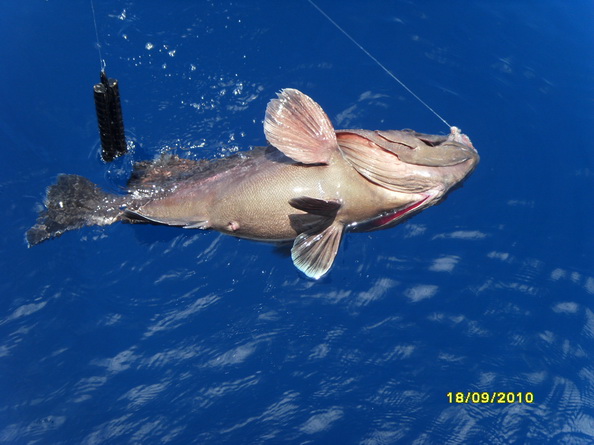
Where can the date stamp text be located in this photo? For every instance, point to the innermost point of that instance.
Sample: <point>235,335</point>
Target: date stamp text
<point>490,397</point>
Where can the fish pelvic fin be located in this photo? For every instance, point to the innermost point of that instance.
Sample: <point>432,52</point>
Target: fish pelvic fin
<point>320,207</point>
<point>314,251</point>
<point>297,126</point>
<point>319,213</point>
<point>74,202</point>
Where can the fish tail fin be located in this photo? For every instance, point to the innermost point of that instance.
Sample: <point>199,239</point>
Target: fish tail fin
<point>71,203</point>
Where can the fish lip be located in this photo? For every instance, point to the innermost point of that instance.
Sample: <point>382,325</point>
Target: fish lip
<point>456,135</point>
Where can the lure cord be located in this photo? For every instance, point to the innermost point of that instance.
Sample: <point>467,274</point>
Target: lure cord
<point>102,63</point>
<point>109,108</point>
<point>392,75</point>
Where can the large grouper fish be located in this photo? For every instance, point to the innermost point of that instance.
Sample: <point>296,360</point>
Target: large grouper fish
<point>309,186</point>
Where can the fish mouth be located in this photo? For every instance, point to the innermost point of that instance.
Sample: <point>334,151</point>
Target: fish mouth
<point>457,136</point>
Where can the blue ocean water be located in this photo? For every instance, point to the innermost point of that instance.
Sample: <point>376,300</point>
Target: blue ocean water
<point>146,334</point>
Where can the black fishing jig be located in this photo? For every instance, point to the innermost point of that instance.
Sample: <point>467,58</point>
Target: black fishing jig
<point>110,118</point>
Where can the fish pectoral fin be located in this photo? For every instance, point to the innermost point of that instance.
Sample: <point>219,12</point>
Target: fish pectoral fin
<point>297,126</point>
<point>186,224</point>
<point>320,207</point>
<point>314,251</point>
<point>380,166</point>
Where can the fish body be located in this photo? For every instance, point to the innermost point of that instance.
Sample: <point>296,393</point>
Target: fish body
<point>310,185</point>
<point>255,198</point>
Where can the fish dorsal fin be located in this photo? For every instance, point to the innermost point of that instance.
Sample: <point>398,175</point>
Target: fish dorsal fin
<point>296,125</point>
<point>163,169</point>
<point>314,251</point>
<point>381,166</point>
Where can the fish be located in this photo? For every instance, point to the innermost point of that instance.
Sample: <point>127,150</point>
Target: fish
<point>310,185</point>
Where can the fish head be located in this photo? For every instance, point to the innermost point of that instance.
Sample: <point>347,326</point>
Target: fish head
<point>408,167</point>
<point>446,160</point>
<point>409,162</point>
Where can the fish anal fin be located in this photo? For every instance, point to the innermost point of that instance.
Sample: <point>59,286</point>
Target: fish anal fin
<point>314,251</point>
<point>297,126</point>
<point>198,225</point>
<point>138,216</point>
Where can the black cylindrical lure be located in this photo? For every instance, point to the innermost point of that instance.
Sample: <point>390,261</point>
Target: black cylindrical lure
<point>110,119</point>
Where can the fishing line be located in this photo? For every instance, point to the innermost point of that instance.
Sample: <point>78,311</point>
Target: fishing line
<point>392,75</point>
<point>109,109</point>
<point>101,61</point>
